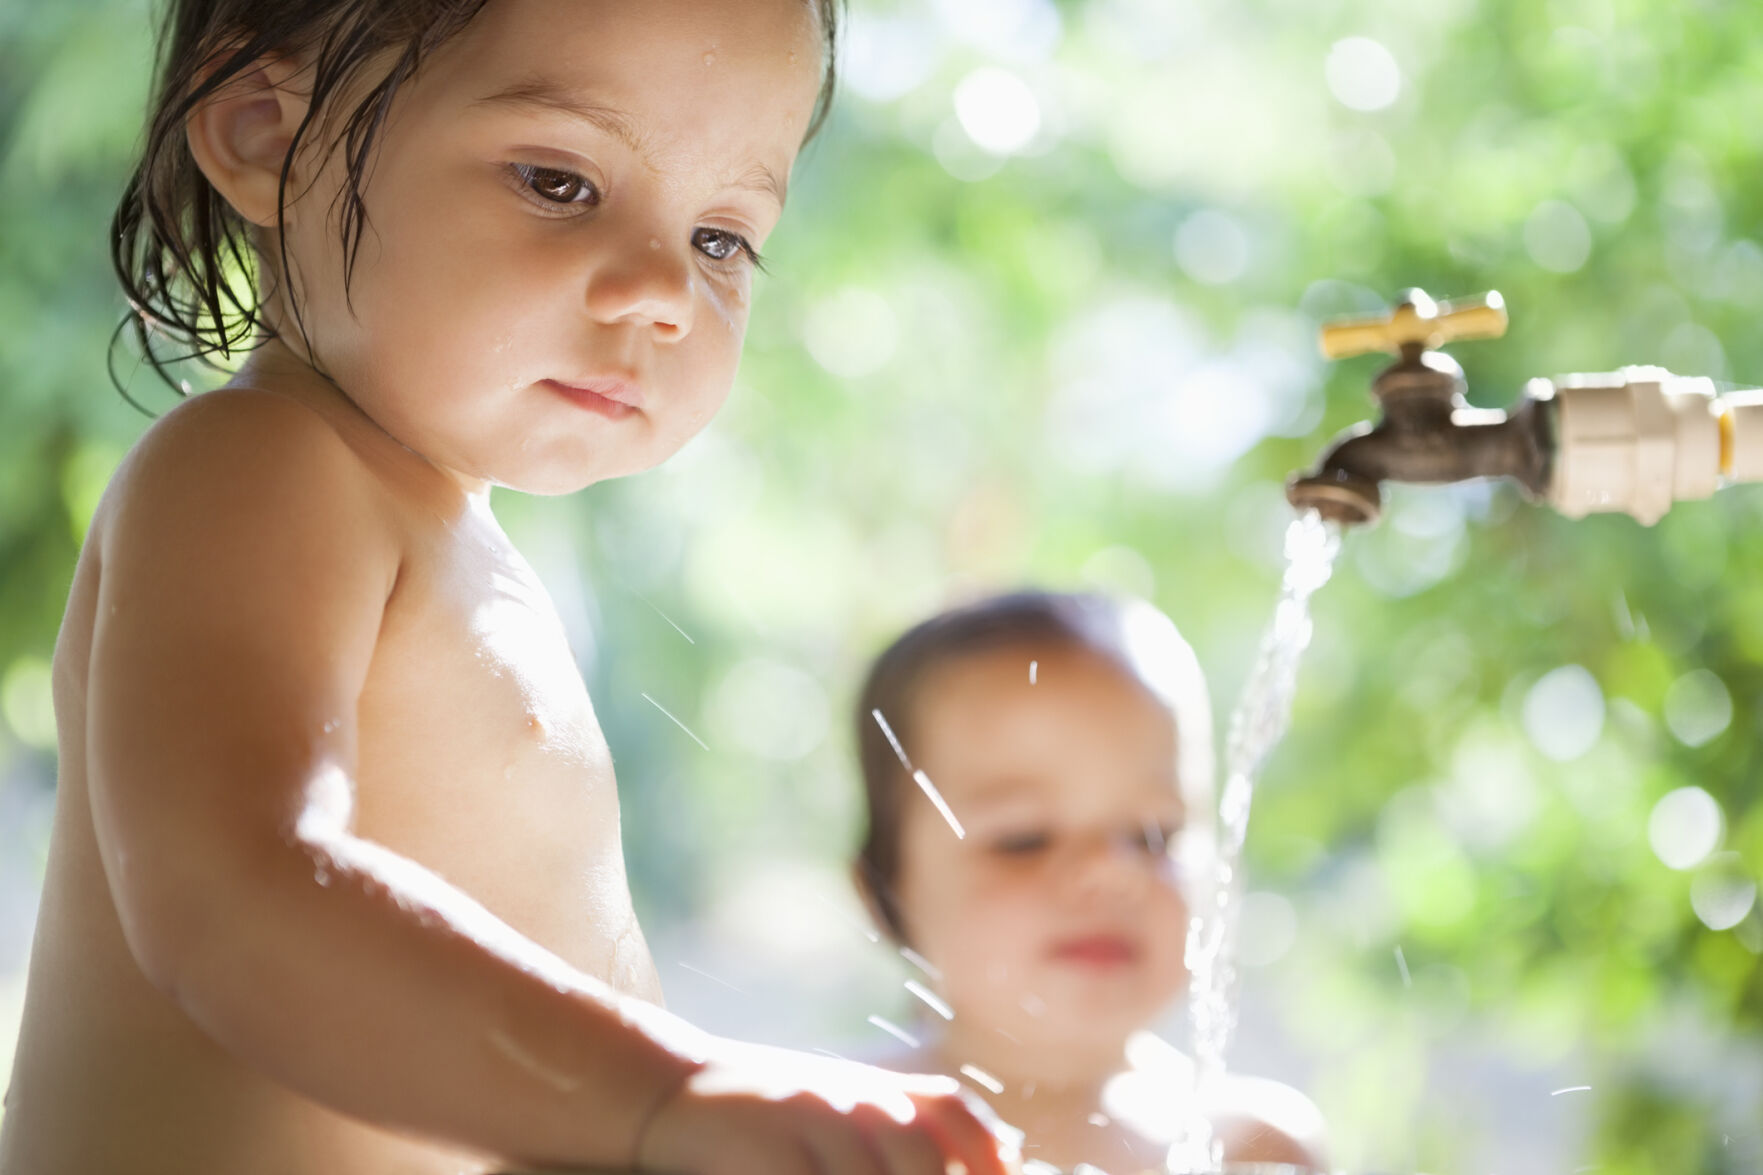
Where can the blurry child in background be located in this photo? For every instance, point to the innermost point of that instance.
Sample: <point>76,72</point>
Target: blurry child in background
<point>336,885</point>
<point>1038,769</point>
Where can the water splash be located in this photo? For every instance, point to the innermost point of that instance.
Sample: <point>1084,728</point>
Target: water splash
<point>1260,720</point>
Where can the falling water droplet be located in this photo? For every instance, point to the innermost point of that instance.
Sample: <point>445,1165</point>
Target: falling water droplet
<point>675,721</point>
<point>942,805</point>
<point>892,740</point>
<point>711,978</point>
<point>895,1031</point>
<point>980,1076</point>
<point>930,999</point>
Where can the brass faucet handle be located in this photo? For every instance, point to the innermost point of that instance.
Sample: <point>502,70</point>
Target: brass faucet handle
<point>1417,322</point>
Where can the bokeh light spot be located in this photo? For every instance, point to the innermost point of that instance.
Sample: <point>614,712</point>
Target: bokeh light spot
<point>1684,827</point>
<point>1698,707</point>
<point>1362,74</point>
<point>997,110</point>
<point>1564,713</point>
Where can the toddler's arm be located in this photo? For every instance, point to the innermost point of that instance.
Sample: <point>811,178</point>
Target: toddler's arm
<point>246,558</point>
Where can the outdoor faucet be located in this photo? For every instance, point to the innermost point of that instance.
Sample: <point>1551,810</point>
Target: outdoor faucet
<point>1427,433</point>
<point>1635,440</point>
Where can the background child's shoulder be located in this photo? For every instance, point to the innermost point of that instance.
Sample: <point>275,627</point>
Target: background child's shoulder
<point>1267,1121</point>
<point>1259,1119</point>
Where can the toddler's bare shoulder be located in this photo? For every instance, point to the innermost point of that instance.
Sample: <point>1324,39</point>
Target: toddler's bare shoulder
<point>243,459</point>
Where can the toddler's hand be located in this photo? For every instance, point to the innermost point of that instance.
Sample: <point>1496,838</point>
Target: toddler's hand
<point>754,1110</point>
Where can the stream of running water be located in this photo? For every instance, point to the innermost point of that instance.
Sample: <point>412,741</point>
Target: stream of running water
<point>1259,721</point>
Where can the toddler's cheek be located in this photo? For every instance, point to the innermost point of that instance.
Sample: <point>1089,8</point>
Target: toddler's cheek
<point>992,962</point>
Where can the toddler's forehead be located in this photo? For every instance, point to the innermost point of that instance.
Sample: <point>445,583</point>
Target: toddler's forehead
<point>652,46</point>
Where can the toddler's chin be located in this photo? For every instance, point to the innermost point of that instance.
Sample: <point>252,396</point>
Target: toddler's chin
<point>565,474</point>
<point>553,485</point>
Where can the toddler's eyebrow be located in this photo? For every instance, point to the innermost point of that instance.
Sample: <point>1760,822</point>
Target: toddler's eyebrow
<point>545,94</point>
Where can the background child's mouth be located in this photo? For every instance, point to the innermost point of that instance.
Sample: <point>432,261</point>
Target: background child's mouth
<point>1097,950</point>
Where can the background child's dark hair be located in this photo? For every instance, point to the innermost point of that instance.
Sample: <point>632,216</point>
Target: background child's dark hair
<point>1128,632</point>
<point>184,257</point>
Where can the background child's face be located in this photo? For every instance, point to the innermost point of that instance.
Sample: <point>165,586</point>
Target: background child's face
<point>1059,918</point>
<point>557,200</point>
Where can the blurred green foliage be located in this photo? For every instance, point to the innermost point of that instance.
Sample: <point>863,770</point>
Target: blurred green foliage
<point>1092,360</point>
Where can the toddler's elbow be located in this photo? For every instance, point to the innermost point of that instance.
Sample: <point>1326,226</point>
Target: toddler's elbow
<point>186,928</point>
<point>168,929</point>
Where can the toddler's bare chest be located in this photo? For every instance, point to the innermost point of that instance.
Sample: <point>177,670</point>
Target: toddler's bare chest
<point>481,758</point>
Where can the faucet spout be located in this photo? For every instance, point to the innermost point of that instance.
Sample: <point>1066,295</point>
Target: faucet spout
<point>1428,433</point>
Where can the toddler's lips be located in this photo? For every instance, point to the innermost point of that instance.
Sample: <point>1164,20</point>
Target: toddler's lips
<point>614,398</point>
<point>1097,950</point>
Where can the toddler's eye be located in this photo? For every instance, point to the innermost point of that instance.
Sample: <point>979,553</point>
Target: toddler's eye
<point>1021,844</point>
<point>722,245</point>
<point>1154,838</point>
<point>557,186</point>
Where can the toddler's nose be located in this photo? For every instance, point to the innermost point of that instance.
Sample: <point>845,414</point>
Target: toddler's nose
<point>646,281</point>
<point>1107,862</point>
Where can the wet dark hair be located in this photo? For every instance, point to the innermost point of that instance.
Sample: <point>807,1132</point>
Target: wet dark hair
<point>1130,633</point>
<point>184,257</point>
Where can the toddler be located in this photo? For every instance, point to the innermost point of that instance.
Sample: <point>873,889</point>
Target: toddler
<point>1037,767</point>
<point>335,884</point>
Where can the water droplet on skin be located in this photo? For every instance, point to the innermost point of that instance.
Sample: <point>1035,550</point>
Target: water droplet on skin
<point>322,875</point>
<point>654,242</point>
<point>331,725</point>
<point>709,59</point>
<point>792,58</point>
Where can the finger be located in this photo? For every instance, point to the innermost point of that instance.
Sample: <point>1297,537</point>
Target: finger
<point>758,1150</point>
<point>792,1157</point>
<point>909,1150</point>
<point>963,1136</point>
<point>844,1147</point>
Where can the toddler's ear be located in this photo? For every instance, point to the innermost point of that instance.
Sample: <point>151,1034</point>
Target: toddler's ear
<point>240,135</point>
